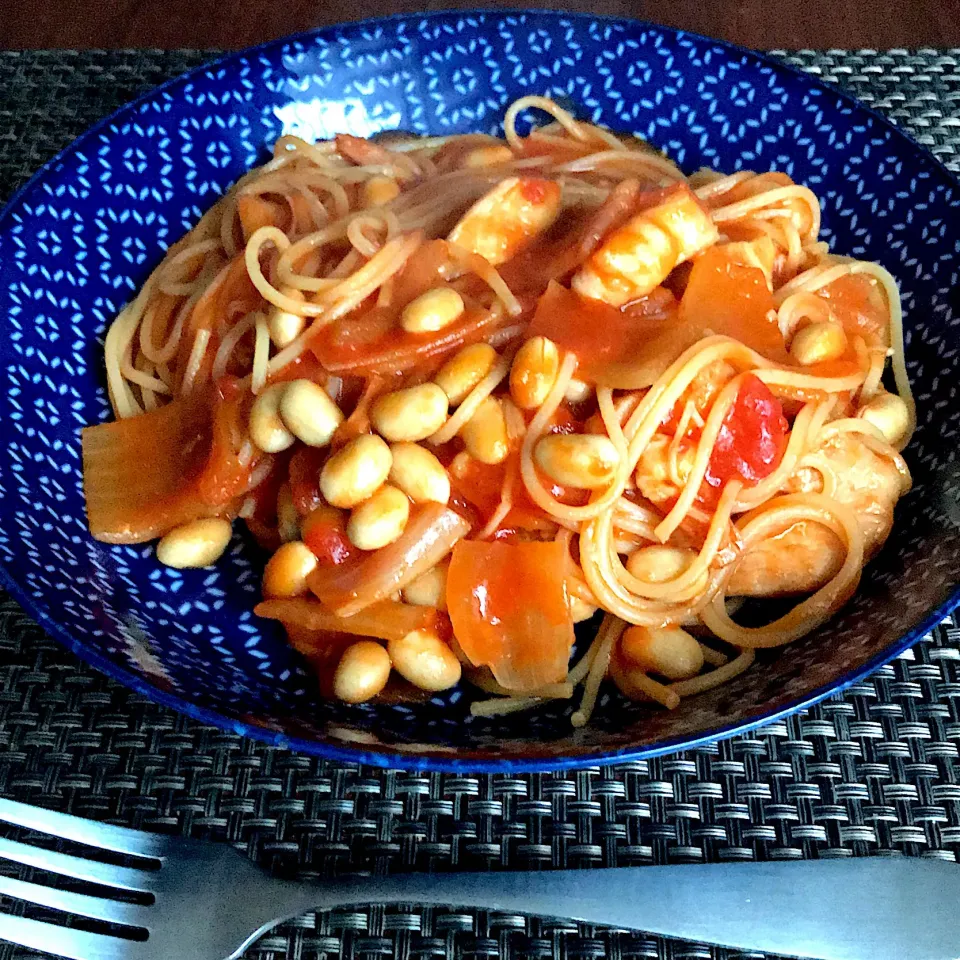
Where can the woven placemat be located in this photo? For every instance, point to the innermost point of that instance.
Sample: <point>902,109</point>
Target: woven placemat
<point>872,772</point>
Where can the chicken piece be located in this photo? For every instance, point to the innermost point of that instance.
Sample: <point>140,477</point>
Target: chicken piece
<point>800,560</point>
<point>806,555</point>
<point>638,256</point>
<point>506,219</point>
<point>654,477</point>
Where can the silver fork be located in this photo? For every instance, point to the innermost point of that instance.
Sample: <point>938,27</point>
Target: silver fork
<point>209,902</point>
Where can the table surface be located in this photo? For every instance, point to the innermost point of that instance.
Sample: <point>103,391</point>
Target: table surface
<point>875,771</point>
<point>210,24</point>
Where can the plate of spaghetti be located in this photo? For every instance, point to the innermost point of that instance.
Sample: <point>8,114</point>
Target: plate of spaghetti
<point>441,423</point>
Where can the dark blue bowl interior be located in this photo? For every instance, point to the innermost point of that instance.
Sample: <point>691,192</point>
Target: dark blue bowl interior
<point>82,236</point>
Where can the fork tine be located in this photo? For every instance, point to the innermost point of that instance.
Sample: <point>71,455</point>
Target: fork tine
<point>126,878</point>
<point>118,839</point>
<point>64,941</point>
<point>99,908</point>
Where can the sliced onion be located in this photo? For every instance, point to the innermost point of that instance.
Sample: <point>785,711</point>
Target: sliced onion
<point>141,475</point>
<point>352,587</point>
<point>386,620</point>
<point>402,352</point>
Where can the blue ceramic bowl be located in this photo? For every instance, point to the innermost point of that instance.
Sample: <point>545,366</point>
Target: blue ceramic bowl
<point>83,234</point>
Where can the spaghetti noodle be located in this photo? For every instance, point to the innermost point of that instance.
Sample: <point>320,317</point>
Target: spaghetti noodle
<point>470,391</point>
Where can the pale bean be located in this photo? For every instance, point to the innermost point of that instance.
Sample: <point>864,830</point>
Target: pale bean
<point>309,413</point>
<point>352,474</point>
<point>818,343</point>
<point>485,433</point>
<point>380,190</point>
<point>587,461</point>
<point>669,651</point>
<point>491,156</point>
<point>199,543</point>
<point>425,660</point>
<point>285,574</point>
<point>459,375</point>
<point>659,564</point>
<point>362,673</point>
<point>578,391</point>
<point>432,311</point>
<point>419,474</point>
<point>380,520</point>
<point>410,414</point>
<point>267,429</point>
<point>534,372</point>
<point>580,610</point>
<point>889,414</point>
<point>283,326</point>
<point>429,589</point>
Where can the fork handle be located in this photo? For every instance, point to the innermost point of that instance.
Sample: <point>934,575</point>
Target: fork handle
<point>859,909</point>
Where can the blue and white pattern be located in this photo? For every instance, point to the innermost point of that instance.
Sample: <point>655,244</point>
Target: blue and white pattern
<point>83,235</point>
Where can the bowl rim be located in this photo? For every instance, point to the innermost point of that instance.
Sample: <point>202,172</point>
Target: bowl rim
<point>439,760</point>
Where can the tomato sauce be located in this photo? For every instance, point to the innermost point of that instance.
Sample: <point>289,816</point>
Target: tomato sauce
<point>304,367</point>
<point>480,485</point>
<point>255,212</point>
<point>536,191</point>
<point>304,474</point>
<point>224,477</point>
<point>562,421</point>
<point>266,493</point>
<point>232,292</point>
<point>325,533</point>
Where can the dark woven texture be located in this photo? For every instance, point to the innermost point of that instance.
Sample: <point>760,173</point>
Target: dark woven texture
<point>872,772</point>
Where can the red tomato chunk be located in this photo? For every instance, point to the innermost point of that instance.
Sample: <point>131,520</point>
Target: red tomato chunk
<point>752,439</point>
